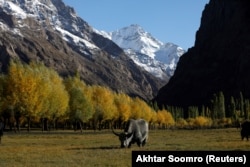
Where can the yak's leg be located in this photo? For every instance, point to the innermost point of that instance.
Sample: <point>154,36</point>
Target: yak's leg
<point>144,142</point>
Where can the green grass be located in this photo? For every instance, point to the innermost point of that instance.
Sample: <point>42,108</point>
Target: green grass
<point>101,148</point>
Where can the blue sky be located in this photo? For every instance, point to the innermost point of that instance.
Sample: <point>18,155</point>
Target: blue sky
<point>173,21</point>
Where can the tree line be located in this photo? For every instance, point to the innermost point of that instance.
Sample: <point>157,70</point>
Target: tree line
<point>218,112</point>
<point>35,95</point>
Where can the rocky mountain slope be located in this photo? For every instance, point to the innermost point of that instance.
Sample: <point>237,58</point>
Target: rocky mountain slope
<point>219,60</point>
<point>51,32</point>
<point>147,52</point>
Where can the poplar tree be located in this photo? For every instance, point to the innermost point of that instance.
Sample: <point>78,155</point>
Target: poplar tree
<point>27,90</point>
<point>165,118</point>
<point>123,107</point>
<point>231,107</point>
<point>214,107</point>
<point>136,111</point>
<point>80,108</point>
<point>193,112</point>
<point>103,102</point>
<point>58,98</point>
<point>221,106</point>
<point>241,105</point>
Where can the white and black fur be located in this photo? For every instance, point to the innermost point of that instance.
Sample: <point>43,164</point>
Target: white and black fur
<point>136,131</point>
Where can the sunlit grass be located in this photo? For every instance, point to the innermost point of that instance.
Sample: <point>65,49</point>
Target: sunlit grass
<point>66,148</point>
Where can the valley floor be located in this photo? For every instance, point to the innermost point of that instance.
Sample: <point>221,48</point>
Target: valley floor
<point>101,148</point>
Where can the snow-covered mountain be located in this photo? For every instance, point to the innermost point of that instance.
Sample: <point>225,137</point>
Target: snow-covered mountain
<point>153,55</point>
<point>51,32</point>
<point>50,14</point>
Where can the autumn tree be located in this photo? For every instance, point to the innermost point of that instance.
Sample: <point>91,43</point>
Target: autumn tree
<point>6,110</point>
<point>103,102</point>
<point>27,90</point>
<point>123,107</point>
<point>146,110</point>
<point>136,110</point>
<point>80,107</point>
<point>160,117</point>
<point>202,121</point>
<point>165,118</point>
<point>35,91</point>
<point>153,119</point>
<point>56,103</point>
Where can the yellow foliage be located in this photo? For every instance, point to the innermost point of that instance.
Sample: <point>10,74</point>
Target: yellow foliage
<point>153,117</point>
<point>202,121</point>
<point>199,122</point>
<point>225,121</point>
<point>165,117</point>
<point>191,122</point>
<point>181,123</point>
<point>26,89</point>
<point>123,108</point>
<point>39,92</point>
<point>136,111</point>
<point>58,97</point>
<point>103,100</point>
<point>80,104</point>
<point>35,90</point>
<point>75,82</point>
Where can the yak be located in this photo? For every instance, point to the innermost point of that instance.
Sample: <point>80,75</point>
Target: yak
<point>245,130</point>
<point>136,131</point>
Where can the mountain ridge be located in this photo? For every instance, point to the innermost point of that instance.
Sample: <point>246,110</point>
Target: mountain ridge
<point>51,32</point>
<point>156,57</point>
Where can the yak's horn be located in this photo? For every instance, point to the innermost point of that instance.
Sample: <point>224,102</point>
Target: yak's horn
<point>117,134</point>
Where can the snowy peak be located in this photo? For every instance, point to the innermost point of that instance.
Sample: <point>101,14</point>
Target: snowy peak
<point>51,14</point>
<point>136,38</point>
<point>146,51</point>
<point>50,31</point>
<point>169,54</point>
<point>26,8</point>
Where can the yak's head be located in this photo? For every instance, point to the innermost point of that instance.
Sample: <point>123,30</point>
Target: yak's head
<point>124,137</point>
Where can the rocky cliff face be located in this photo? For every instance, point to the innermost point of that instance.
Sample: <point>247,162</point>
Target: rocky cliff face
<point>51,32</point>
<point>219,60</point>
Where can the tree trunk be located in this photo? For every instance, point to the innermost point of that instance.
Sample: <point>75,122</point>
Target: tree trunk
<point>17,116</point>
<point>28,119</point>
<point>17,123</point>
<point>80,124</point>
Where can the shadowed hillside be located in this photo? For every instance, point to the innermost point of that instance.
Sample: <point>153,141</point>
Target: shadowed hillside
<point>219,60</point>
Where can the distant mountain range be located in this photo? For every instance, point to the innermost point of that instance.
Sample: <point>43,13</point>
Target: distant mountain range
<point>51,32</point>
<point>149,53</point>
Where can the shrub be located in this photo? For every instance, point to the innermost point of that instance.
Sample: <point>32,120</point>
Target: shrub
<point>181,123</point>
<point>201,121</point>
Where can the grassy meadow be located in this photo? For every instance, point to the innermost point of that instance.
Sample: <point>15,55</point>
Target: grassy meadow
<point>101,148</point>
